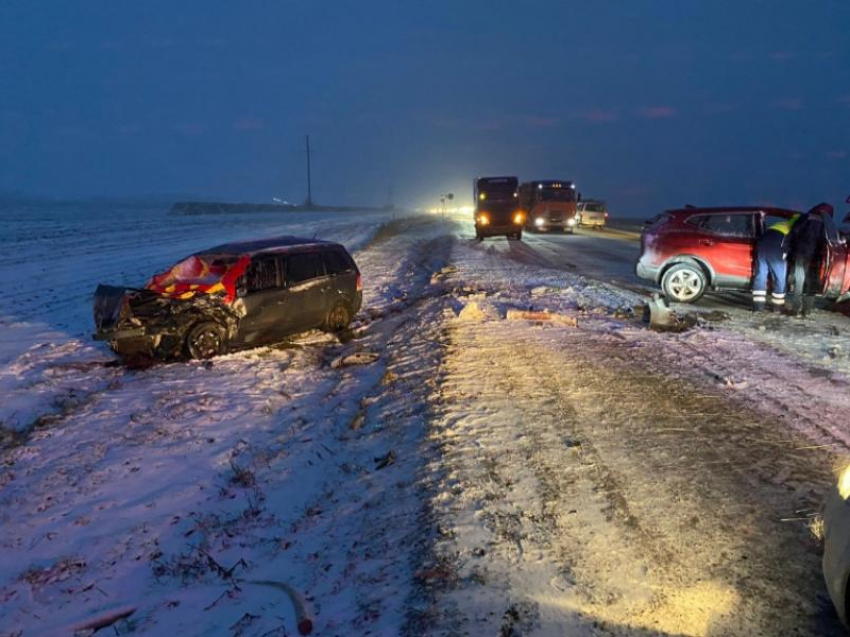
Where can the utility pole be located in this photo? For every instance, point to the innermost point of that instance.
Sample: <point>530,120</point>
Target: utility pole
<point>309,184</point>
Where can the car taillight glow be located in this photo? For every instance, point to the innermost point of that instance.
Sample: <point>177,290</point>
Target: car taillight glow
<point>519,218</point>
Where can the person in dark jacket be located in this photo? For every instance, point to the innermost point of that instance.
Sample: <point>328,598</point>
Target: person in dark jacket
<point>806,244</point>
<point>770,263</point>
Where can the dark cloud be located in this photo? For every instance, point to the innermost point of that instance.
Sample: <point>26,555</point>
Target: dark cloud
<point>788,103</point>
<point>249,124</point>
<point>542,122</point>
<point>657,112</point>
<point>782,56</point>
<point>601,115</point>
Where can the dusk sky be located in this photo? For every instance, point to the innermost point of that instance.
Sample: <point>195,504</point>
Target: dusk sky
<point>648,104</point>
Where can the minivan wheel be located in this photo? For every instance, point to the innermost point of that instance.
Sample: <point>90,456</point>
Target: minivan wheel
<point>205,340</point>
<point>684,283</point>
<point>338,318</point>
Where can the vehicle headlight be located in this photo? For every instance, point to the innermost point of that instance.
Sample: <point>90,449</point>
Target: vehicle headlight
<point>519,218</point>
<point>571,222</point>
<point>483,219</point>
<point>539,221</point>
<point>844,483</point>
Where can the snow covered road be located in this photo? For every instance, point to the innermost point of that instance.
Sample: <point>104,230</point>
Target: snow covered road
<point>483,476</point>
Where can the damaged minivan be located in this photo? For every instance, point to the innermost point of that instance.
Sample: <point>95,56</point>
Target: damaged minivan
<point>232,296</point>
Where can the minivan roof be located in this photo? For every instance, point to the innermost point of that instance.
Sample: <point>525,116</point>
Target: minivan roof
<point>272,244</point>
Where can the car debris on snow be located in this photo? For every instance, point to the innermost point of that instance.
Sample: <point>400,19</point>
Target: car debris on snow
<point>385,461</point>
<point>472,312</point>
<point>544,316</point>
<point>103,621</point>
<point>662,318</point>
<point>303,615</point>
<point>358,358</point>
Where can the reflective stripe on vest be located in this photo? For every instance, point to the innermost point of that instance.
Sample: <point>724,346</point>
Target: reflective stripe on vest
<point>784,226</point>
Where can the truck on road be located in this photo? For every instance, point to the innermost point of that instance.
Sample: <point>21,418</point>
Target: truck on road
<point>497,208</point>
<point>551,205</point>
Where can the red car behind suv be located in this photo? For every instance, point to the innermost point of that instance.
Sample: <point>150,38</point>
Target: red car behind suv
<point>692,250</point>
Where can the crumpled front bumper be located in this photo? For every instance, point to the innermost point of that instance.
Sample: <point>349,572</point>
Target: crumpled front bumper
<point>119,334</point>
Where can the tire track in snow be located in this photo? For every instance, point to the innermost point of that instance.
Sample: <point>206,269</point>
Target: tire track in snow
<point>641,502</point>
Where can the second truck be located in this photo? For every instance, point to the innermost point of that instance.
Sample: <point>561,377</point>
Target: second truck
<point>551,205</point>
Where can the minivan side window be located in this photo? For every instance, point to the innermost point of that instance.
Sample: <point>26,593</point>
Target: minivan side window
<point>261,274</point>
<point>336,263</point>
<point>303,267</point>
<point>726,225</point>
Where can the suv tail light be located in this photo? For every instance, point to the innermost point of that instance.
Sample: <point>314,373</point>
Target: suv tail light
<point>359,282</point>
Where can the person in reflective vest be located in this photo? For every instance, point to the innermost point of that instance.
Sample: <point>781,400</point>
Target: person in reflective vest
<point>770,263</point>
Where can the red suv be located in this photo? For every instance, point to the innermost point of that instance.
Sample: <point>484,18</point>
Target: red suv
<point>692,250</point>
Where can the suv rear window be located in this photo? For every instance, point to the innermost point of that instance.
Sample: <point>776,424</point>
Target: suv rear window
<point>657,220</point>
<point>725,225</point>
<point>303,267</point>
<point>336,262</point>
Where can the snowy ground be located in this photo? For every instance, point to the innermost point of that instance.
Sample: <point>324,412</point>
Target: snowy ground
<point>482,476</point>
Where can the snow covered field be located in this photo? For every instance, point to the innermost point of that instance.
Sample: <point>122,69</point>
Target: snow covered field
<point>480,476</point>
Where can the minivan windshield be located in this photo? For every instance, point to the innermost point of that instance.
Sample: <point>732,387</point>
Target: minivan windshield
<point>557,194</point>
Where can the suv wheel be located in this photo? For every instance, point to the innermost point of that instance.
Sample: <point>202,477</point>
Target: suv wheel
<point>684,283</point>
<point>205,340</point>
<point>338,318</point>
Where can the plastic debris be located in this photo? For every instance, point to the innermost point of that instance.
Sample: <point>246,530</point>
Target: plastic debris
<point>358,358</point>
<point>385,461</point>
<point>551,317</point>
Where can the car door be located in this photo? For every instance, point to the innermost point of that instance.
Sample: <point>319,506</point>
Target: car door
<point>307,286</point>
<point>833,265</point>
<point>726,241</point>
<point>264,299</point>
<point>342,278</point>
